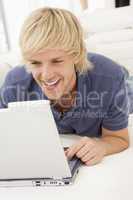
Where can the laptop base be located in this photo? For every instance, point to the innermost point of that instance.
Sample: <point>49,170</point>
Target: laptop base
<point>38,182</point>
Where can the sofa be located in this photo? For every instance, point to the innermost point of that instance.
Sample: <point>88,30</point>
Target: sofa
<point>110,32</point>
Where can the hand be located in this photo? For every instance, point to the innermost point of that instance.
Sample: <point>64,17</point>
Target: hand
<point>90,150</point>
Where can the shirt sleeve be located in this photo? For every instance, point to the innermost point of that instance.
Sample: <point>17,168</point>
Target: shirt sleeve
<point>7,92</point>
<point>117,114</point>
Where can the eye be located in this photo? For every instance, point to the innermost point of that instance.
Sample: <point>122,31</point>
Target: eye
<point>57,61</point>
<point>32,65</point>
<point>35,63</point>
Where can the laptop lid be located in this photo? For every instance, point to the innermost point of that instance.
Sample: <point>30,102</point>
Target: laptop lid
<point>29,143</point>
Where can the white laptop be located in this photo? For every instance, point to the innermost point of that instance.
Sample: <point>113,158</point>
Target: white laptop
<point>31,153</point>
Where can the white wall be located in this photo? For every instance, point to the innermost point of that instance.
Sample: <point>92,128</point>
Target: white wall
<point>15,12</point>
<point>101,4</point>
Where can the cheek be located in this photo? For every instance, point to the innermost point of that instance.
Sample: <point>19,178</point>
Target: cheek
<point>35,74</point>
<point>68,75</point>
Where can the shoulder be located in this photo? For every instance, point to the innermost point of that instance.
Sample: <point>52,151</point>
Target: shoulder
<point>15,87</point>
<point>18,75</point>
<point>105,75</point>
<point>105,68</point>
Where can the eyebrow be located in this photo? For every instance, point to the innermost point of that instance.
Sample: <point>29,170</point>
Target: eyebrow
<point>57,58</point>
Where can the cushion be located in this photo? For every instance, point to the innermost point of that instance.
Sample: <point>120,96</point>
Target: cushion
<point>115,36</point>
<point>130,129</point>
<point>102,20</point>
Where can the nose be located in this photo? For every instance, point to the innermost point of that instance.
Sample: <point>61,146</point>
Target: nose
<point>46,72</point>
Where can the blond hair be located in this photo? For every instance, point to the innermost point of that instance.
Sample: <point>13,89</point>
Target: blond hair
<point>54,28</point>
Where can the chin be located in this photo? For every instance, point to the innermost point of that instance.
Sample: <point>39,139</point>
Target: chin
<point>52,96</point>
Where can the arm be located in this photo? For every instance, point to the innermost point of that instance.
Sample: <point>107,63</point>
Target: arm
<point>113,128</point>
<point>15,86</point>
<point>115,141</point>
<point>92,150</point>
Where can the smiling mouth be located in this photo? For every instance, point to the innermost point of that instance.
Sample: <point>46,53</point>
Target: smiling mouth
<point>50,85</point>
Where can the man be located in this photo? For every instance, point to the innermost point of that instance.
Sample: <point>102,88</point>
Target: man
<point>88,93</point>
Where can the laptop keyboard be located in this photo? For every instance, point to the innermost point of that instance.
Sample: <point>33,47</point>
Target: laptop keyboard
<point>72,162</point>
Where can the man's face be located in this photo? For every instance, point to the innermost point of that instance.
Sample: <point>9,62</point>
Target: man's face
<point>54,71</point>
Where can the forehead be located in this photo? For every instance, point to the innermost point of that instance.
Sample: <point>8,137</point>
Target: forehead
<point>49,54</point>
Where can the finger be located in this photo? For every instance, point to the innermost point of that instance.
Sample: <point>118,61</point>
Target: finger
<point>93,161</point>
<point>76,147</point>
<point>84,150</point>
<point>65,152</point>
<point>88,156</point>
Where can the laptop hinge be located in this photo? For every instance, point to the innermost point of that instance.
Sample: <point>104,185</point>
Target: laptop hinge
<point>60,178</point>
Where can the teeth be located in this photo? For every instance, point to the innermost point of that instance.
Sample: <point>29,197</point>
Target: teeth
<point>51,83</point>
